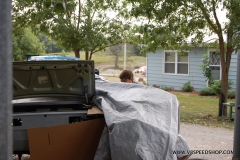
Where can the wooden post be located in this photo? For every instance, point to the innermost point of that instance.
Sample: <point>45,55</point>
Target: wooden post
<point>5,80</point>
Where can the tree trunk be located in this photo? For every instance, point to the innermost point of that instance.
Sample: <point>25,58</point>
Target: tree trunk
<point>91,55</point>
<point>224,92</point>
<point>225,64</point>
<point>116,61</point>
<point>76,52</point>
<point>224,77</point>
<point>86,55</point>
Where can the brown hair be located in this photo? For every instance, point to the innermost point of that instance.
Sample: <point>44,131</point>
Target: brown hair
<point>126,74</point>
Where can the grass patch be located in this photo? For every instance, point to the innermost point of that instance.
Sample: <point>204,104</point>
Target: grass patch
<point>132,62</point>
<point>112,78</point>
<point>105,58</point>
<point>201,110</point>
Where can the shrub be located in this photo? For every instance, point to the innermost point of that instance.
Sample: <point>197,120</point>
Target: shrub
<point>145,83</point>
<point>207,92</point>
<point>216,86</point>
<point>206,70</point>
<point>187,87</point>
<point>165,88</point>
<point>156,86</point>
<point>231,95</point>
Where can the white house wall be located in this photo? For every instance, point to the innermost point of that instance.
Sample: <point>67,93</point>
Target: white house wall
<point>156,76</point>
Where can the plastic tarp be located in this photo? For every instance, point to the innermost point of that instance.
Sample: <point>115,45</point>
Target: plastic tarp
<point>142,123</point>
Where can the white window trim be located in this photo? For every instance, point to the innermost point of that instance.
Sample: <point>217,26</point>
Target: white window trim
<point>214,50</point>
<point>163,60</point>
<point>208,52</point>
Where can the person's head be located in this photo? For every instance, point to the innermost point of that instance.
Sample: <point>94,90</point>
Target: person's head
<point>126,76</point>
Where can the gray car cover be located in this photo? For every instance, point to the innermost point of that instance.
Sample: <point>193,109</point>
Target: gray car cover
<point>142,123</point>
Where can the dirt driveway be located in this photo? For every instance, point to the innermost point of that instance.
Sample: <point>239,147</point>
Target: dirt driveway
<point>208,138</point>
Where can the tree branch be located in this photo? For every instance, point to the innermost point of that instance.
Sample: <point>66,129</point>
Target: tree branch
<point>229,44</point>
<point>79,13</point>
<point>106,47</point>
<point>93,14</point>
<point>68,15</point>
<point>236,48</point>
<point>215,17</point>
<point>205,14</point>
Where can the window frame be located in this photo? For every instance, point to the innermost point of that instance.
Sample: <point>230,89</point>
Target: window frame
<point>176,62</point>
<point>220,66</point>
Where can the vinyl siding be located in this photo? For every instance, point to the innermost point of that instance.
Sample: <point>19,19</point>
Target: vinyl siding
<point>233,71</point>
<point>156,75</point>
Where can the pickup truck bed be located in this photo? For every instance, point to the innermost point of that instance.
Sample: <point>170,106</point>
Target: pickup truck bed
<point>48,93</point>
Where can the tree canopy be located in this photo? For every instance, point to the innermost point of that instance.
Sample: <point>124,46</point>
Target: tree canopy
<point>175,23</point>
<point>89,25</point>
<point>26,43</point>
<point>50,45</point>
<point>172,23</point>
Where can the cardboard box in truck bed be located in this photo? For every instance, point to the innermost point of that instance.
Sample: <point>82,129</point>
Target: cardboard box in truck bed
<point>76,141</point>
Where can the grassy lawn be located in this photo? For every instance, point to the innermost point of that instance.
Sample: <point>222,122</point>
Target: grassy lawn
<point>104,58</point>
<point>201,110</point>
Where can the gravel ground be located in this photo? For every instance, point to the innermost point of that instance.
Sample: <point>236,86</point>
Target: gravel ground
<point>208,138</point>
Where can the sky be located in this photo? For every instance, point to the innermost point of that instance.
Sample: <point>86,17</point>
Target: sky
<point>222,19</point>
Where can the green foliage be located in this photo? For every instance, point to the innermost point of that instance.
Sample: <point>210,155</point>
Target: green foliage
<point>207,92</point>
<point>165,88</point>
<point>47,3</point>
<point>63,52</point>
<point>178,24</point>
<point>59,8</point>
<point>75,25</point>
<point>187,87</point>
<point>171,23</point>
<point>50,45</point>
<point>26,43</point>
<point>231,95</point>
<point>156,86</point>
<point>135,50</point>
<point>117,49</point>
<point>145,83</point>
<point>206,70</point>
<point>216,86</point>
<point>131,49</point>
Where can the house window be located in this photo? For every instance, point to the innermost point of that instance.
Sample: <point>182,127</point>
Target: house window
<point>215,65</point>
<point>176,62</point>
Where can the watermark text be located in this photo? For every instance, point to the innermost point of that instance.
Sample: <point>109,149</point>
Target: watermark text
<point>204,152</point>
